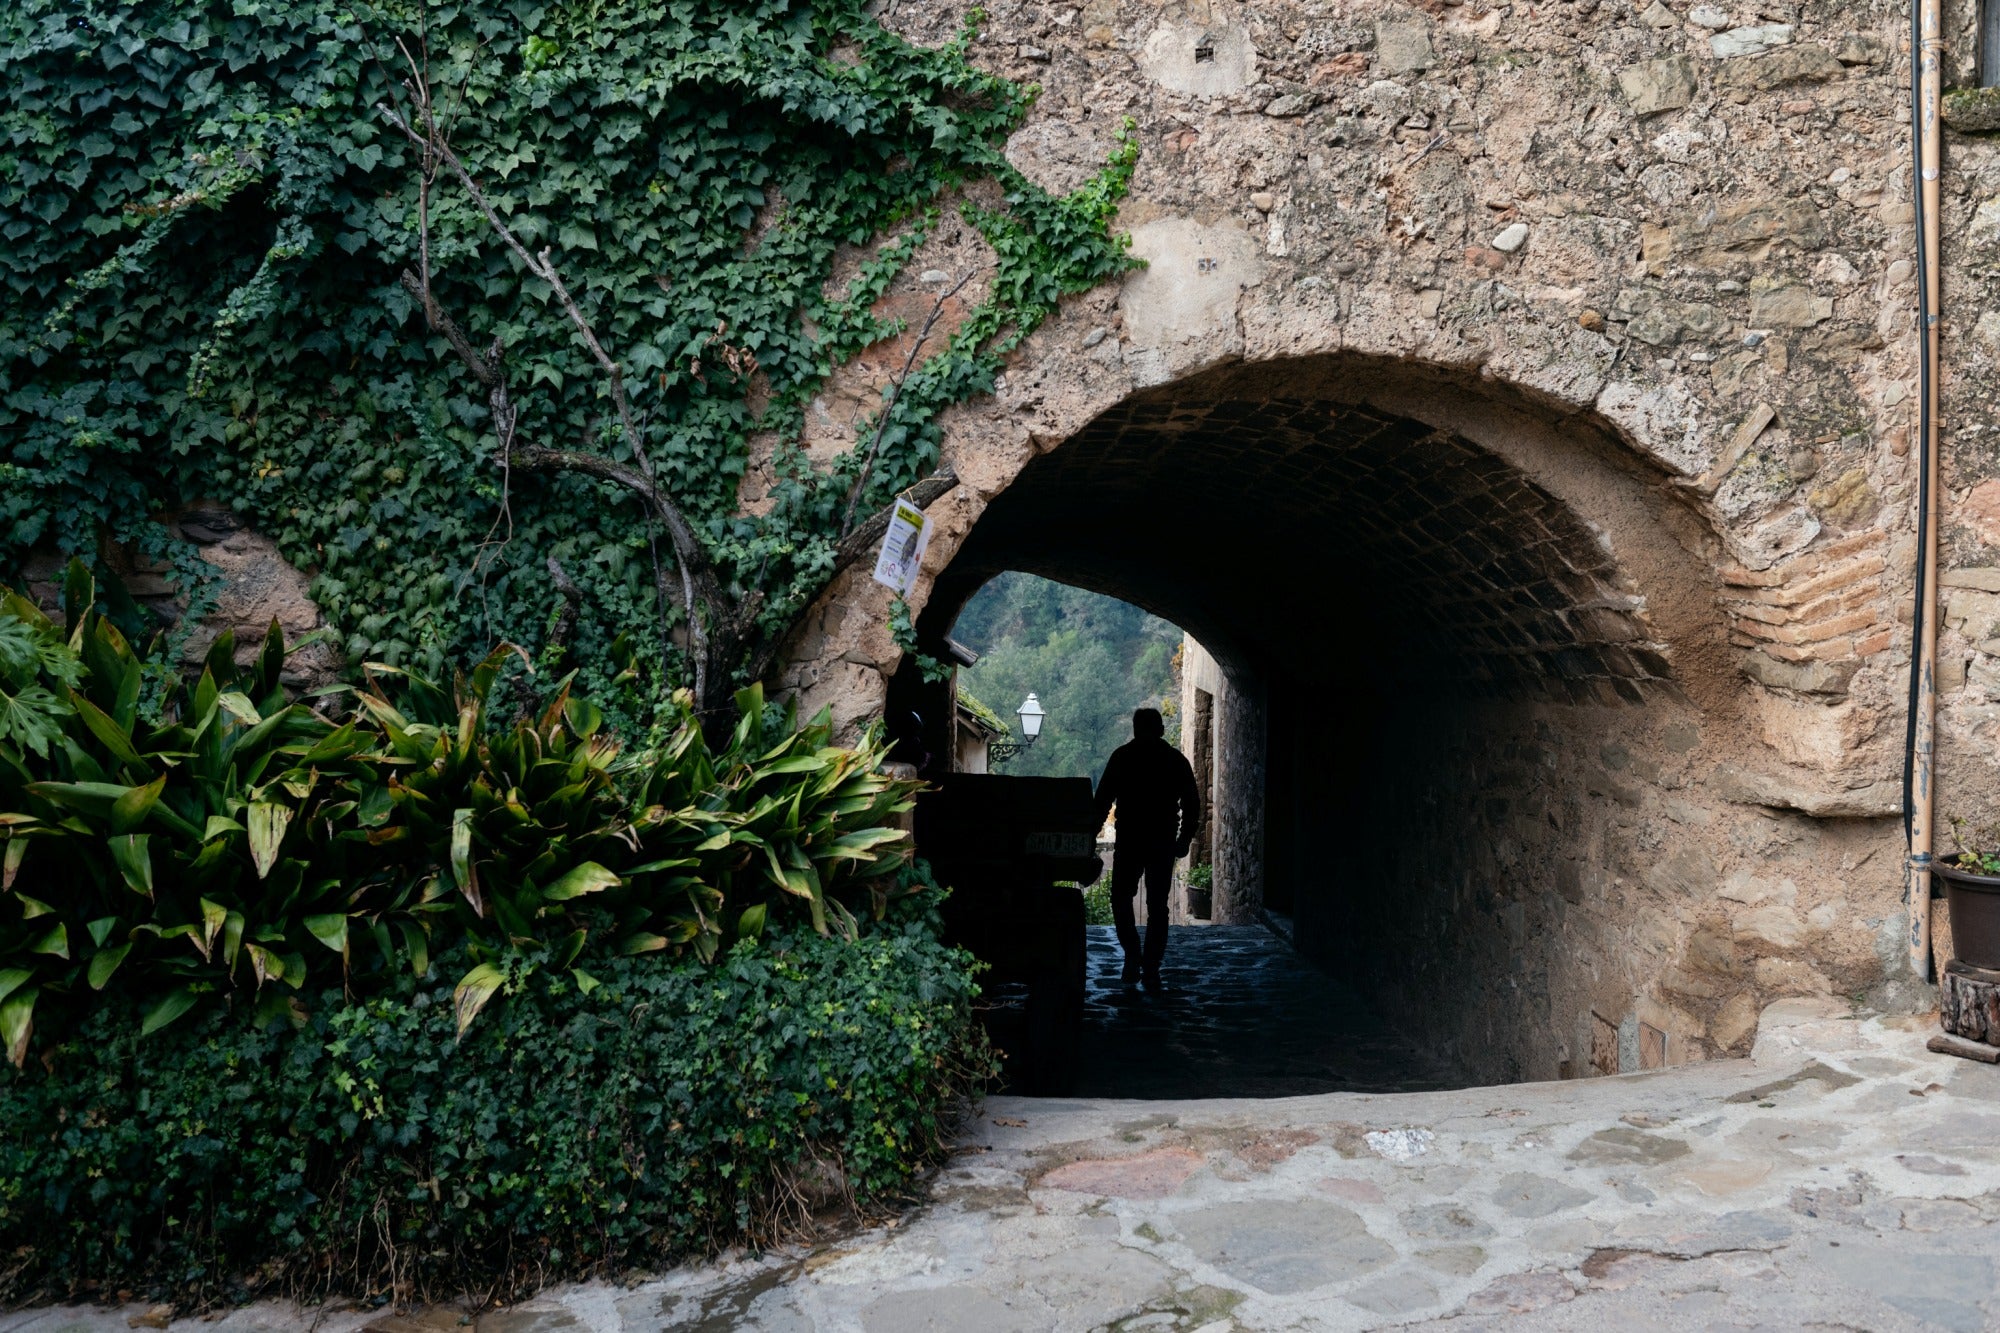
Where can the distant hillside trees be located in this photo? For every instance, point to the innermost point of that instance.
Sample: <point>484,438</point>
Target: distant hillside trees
<point>1091,660</point>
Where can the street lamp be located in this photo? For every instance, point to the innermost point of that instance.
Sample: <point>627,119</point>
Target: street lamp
<point>1031,715</point>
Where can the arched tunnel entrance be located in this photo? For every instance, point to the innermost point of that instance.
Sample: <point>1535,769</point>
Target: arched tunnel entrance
<point>1446,625</point>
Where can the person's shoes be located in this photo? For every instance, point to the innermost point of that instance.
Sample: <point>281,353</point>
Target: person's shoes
<point>1153,983</point>
<point>1131,972</point>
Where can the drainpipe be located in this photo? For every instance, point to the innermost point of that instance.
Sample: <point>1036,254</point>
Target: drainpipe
<point>1919,774</point>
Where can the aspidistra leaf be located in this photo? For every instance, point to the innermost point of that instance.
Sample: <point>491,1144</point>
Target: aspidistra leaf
<point>132,854</point>
<point>105,961</point>
<point>165,1010</point>
<point>417,945</point>
<point>213,917</point>
<point>589,877</point>
<point>130,810</point>
<point>109,734</point>
<point>17,1022</point>
<point>330,929</point>
<point>474,989</point>
<point>219,826</point>
<point>264,965</point>
<point>463,872</point>
<point>238,706</point>
<point>267,822</point>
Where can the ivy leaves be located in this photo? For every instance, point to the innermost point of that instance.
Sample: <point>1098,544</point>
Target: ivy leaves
<point>209,202</point>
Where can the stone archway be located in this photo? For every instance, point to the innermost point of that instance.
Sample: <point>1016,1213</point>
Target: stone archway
<point>1403,615</point>
<point>1484,729</point>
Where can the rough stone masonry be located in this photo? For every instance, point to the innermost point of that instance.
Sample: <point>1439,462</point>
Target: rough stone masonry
<point>1518,405</point>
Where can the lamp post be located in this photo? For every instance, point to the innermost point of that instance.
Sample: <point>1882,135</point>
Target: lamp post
<point>1031,715</point>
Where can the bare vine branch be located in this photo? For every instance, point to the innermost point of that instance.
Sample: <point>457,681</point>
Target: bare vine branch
<point>889,407</point>
<point>718,626</point>
<point>700,596</point>
<point>572,602</point>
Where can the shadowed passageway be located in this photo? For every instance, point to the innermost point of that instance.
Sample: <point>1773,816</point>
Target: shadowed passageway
<point>1445,632</point>
<point>1244,1016</point>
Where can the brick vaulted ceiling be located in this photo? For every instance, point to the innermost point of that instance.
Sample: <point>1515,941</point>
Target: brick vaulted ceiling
<point>1294,534</point>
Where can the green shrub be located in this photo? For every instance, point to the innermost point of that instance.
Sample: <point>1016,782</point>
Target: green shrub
<point>672,1107</point>
<point>254,937</point>
<point>1097,904</point>
<point>228,842</point>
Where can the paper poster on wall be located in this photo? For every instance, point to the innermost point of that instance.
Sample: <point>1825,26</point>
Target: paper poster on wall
<point>903,548</point>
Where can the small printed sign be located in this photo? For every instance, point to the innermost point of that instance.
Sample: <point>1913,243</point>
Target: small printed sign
<point>1059,844</point>
<point>903,548</point>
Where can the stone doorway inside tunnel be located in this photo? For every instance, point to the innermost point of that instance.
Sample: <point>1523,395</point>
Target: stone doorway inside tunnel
<point>1440,637</point>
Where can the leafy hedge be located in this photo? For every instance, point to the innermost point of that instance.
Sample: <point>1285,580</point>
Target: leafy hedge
<point>670,1108</point>
<point>243,944</point>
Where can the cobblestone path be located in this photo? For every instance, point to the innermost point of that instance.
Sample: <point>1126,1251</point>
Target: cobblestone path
<point>1243,1016</point>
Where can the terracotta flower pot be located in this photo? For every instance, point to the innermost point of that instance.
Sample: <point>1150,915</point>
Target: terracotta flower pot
<point>1974,903</point>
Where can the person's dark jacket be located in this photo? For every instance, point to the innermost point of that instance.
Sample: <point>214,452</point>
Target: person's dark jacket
<point>1153,787</point>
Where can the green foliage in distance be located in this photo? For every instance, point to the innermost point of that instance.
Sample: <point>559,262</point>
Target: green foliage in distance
<point>240,848</point>
<point>1090,659</point>
<point>1097,904</point>
<point>204,214</point>
<point>370,1150</point>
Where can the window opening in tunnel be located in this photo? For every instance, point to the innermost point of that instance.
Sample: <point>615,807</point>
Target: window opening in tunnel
<point>1089,659</point>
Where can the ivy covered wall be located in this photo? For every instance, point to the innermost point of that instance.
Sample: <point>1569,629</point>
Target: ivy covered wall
<point>481,310</point>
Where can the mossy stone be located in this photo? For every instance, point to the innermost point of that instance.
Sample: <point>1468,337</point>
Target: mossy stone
<point>1973,110</point>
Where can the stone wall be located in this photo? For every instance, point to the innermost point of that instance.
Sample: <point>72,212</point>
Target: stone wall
<point>1235,793</point>
<point>1969,658</point>
<point>1546,892</point>
<point>251,586</point>
<point>1518,400</point>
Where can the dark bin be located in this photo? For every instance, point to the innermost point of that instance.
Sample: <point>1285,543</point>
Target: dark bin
<point>1008,848</point>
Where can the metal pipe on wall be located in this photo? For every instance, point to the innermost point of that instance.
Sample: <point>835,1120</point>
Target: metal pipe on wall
<point>1920,785</point>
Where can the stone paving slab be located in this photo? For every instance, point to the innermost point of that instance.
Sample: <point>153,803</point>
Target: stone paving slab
<point>1843,1177</point>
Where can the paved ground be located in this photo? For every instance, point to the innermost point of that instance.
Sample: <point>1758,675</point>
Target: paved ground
<point>1243,1016</point>
<point>1843,1178</point>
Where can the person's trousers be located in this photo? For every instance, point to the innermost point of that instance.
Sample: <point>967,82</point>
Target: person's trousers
<point>1155,864</point>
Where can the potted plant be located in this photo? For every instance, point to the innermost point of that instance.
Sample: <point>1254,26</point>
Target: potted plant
<point>1200,891</point>
<point>1972,897</point>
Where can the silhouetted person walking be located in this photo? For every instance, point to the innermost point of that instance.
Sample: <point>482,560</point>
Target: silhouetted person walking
<point>1159,807</point>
